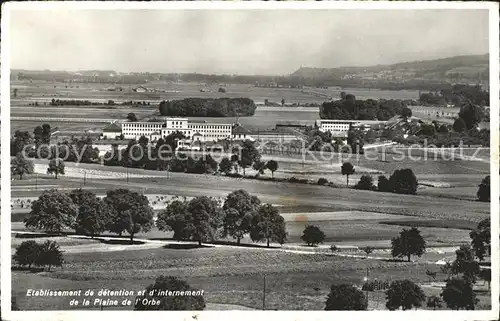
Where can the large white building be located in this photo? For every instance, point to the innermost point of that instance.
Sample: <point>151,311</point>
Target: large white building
<point>195,131</point>
<point>340,127</point>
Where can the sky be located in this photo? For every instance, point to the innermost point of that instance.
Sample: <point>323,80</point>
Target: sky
<point>251,42</point>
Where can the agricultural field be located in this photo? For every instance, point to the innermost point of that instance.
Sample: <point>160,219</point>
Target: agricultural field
<point>227,276</point>
<point>184,90</point>
<point>298,277</point>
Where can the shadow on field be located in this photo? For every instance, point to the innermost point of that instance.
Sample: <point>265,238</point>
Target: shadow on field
<point>184,246</point>
<point>36,235</point>
<point>120,242</point>
<point>25,268</point>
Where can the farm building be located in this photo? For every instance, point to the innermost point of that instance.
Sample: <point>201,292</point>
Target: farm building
<point>436,111</point>
<point>240,133</point>
<point>140,89</point>
<point>278,135</point>
<point>112,131</point>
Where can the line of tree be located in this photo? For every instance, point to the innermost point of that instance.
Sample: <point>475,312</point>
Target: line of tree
<point>121,210</point>
<point>208,107</point>
<point>31,253</point>
<point>457,95</point>
<point>402,181</point>
<point>348,107</point>
<point>205,219</point>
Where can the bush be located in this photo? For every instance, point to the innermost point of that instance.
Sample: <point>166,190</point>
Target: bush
<point>403,181</point>
<point>458,294</point>
<point>298,180</point>
<point>322,181</point>
<point>404,294</point>
<point>27,253</point>
<point>312,235</point>
<point>383,184</point>
<point>365,183</point>
<point>375,285</point>
<point>50,255</point>
<point>32,253</point>
<point>345,297</point>
<point>483,193</point>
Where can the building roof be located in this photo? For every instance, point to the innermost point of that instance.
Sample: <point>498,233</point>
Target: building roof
<point>197,134</point>
<point>112,128</point>
<point>238,129</point>
<point>156,133</point>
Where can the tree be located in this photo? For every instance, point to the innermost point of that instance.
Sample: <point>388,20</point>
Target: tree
<point>42,134</point>
<point>19,141</point>
<point>225,166</point>
<point>20,166</point>
<point>471,114</point>
<point>403,181</point>
<point>312,235</point>
<point>164,284</point>
<point>347,169</point>
<point>259,166</point>
<point>458,294</point>
<point>368,250</point>
<point>239,208</point>
<point>345,297</point>
<point>365,183</point>
<point>56,167</point>
<point>481,239</point>
<point>244,163</point>
<point>93,213</point>
<point>483,193</point>
<point>408,243</point>
<point>459,125</point>
<point>268,225</point>
<point>485,275</point>
<point>27,253</point>
<point>404,294</point>
<point>433,302</point>
<point>129,211</point>
<point>272,165</point>
<point>383,184</point>
<point>52,212</point>
<point>406,112</point>
<point>206,216</point>
<point>176,218</point>
<point>131,117</point>
<point>50,255</point>
<point>465,264</point>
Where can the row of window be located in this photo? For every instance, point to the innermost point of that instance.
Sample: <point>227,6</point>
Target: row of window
<point>192,126</point>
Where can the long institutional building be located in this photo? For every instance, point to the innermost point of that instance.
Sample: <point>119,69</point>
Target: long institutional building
<point>212,132</point>
<point>195,131</point>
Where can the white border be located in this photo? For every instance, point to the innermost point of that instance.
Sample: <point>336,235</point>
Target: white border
<point>245,315</point>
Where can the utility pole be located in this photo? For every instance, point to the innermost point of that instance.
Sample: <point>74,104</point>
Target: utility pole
<point>366,281</point>
<point>84,177</point>
<point>36,181</point>
<point>264,295</point>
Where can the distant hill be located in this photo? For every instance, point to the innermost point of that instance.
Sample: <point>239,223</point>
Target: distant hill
<point>452,68</point>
